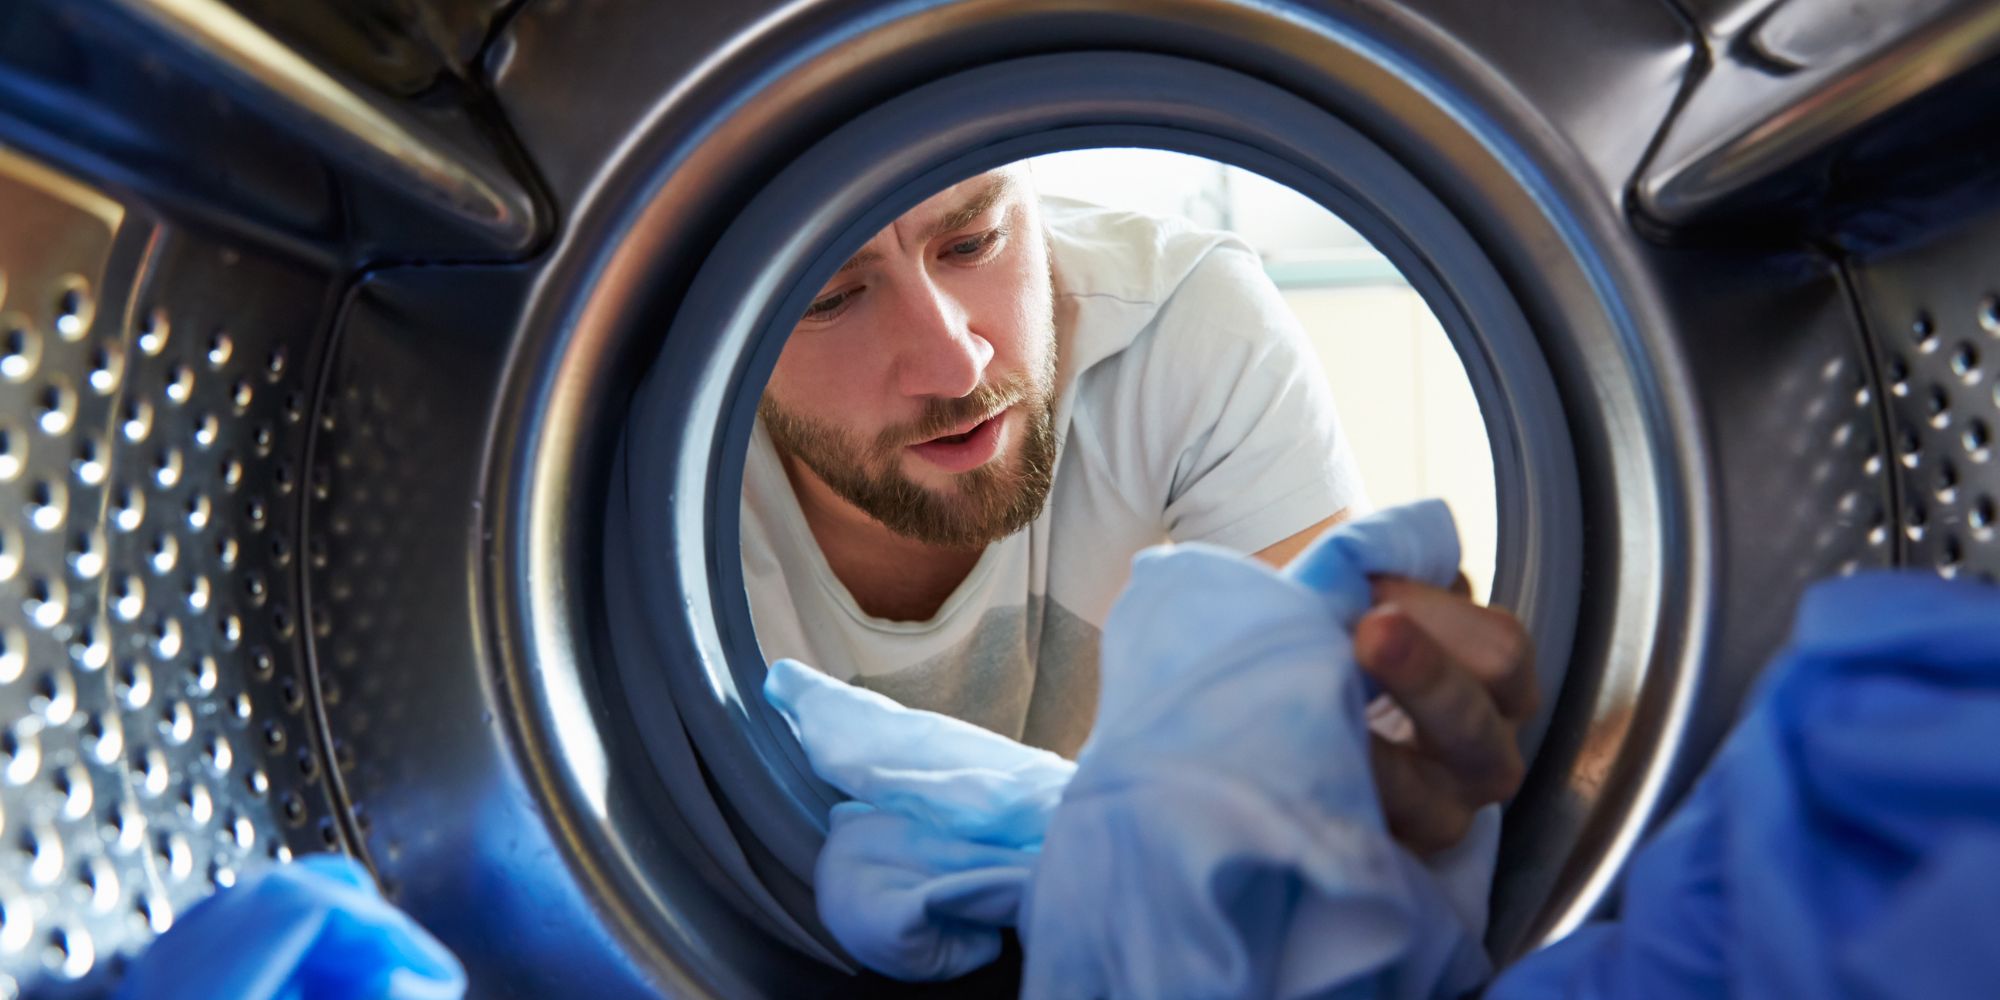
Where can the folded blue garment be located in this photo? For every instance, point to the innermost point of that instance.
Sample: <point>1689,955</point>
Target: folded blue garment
<point>314,929</point>
<point>1846,841</point>
<point>1221,679</point>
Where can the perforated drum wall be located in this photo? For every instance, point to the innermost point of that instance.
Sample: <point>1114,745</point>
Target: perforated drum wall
<point>318,329</point>
<point>1933,316</point>
<point>154,392</point>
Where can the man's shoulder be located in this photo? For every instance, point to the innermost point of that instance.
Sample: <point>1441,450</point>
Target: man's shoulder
<point>1131,257</point>
<point>1122,276</point>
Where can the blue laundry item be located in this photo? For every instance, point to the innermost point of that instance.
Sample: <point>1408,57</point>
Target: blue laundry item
<point>1846,840</point>
<point>922,870</point>
<point>314,929</point>
<point>1222,835</point>
<point>919,874</point>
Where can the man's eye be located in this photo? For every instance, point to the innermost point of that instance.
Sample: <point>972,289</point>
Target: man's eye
<point>828,307</point>
<point>973,247</point>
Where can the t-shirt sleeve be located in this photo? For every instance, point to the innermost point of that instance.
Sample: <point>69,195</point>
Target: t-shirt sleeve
<point>1259,454</point>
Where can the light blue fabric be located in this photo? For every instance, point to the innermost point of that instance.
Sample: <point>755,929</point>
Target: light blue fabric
<point>922,870</point>
<point>1845,842</point>
<point>314,929</point>
<point>1220,677</point>
<point>1222,836</point>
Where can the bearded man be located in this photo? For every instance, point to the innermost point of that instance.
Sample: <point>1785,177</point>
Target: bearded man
<point>998,401</point>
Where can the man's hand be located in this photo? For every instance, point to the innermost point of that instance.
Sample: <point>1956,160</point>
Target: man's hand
<point>1465,676</point>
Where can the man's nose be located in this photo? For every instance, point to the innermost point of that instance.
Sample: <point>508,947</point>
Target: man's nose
<point>941,355</point>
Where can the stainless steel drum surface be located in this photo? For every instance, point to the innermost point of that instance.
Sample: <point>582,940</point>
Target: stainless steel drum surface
<point>320,324</point>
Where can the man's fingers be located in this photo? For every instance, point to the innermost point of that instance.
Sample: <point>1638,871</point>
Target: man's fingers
<point>1489,642</point>
<point>1426,810</point>
<point>1456,718</point>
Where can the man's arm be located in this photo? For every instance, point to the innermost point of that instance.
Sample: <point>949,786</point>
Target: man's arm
<point>1465,676</point>
<point>1282,552</point>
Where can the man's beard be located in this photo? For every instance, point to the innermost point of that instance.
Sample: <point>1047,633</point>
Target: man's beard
<point>986,504</point>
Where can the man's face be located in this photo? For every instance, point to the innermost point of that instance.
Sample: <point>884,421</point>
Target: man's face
<point>920,384</point>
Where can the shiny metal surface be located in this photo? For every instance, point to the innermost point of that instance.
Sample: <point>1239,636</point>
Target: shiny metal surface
<point>309,485</point>
<point>1818,71</point>
<point>157,735</point>
<point>374,137</point>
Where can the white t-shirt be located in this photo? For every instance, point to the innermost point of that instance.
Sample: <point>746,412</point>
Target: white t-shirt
<point>1189,408</point>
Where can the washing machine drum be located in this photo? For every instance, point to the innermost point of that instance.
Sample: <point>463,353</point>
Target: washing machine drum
<point>375,384</point>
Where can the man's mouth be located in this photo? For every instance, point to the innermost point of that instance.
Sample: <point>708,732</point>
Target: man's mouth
<point>964,431</point>
<point>966,446</point>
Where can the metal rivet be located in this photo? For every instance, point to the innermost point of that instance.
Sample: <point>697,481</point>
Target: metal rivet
<point>86,554</point>
<point>1924,332</point>
<point>153,332</point>
<point>1977,439</point>
<point>177,724</point>
<point>176,856</point>
<point>1965,362</point>
<point>48,503</point>
<point>106,370</point>
<point>100,879</point>
<point>89,466</point>
<point>128,511</point>
<point>157,913</point>
<point>135,684</point>
<point>47,602</point>
<point>90,647</point>
<point>244,831</point>
<point>167,638</point>
<point>13,453</point>
<point>73,309</point>
<point>71,954</point>
<point>218,754</point>
<point>128,597</point>
<point>13,654</point>
<point>73,784</point>
<point>44,848</point>
<point>136,420</point>
<point>54,698</point>
<point>198,510</point>
<point>167,468</point>
<point>163,553</point>
<point>17,925</point>
<point>262,664</point>
<point>154,771</point>
<point>199,803</point>
<point>55,408</point>
<point>21,746</point>
<point>104,737</point>
<point>180,384</point>
<point>20,351</point>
